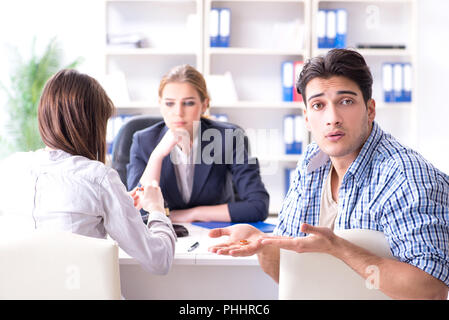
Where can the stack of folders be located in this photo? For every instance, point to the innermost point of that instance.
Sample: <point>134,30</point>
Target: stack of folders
<point>113,127</point>
<point>293,133</point>
<point>332,28</point>
<point>397,82</point>
<point>219,27</point>
<point>289,176</point>
<point>290,75</point>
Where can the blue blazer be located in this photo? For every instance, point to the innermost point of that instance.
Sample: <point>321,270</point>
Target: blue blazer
<point>213,183</point>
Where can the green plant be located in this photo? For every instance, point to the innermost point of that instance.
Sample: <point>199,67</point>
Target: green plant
<point>26,83</point>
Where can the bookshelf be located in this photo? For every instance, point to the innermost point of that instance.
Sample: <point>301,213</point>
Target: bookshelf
<point>382,23</point>
<point>178,31</point>
<point>254,57</point>
<point>171,33</point>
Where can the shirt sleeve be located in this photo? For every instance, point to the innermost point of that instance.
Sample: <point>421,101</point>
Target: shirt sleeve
<point>416,224</point>
<point>153,246</point>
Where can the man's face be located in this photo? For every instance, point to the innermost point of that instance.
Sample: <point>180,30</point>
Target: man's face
<point>337,116</point>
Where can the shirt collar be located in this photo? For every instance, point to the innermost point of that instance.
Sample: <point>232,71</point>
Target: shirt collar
<point>359,166</point>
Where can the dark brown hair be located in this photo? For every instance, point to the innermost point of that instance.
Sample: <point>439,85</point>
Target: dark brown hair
<point>185,73</point>
<point>73,113</point>
<point>337,62</point>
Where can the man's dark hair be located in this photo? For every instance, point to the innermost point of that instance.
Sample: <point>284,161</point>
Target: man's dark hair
<point>337,62</point>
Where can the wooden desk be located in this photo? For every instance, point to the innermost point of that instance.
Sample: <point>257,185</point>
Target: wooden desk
<point>198,274</point>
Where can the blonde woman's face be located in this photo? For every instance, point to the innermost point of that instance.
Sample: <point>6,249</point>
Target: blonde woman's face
<point>181,106</point>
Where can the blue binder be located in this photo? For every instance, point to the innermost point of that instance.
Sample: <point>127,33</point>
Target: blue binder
<point>214,27</point>
<point>321,29</point>
<point>397,82</point>
<point>287,80</point>
<point>387,82</point>
<point>289,134</point>
<point>342,23</point>
<point>262,226</point>
<point>224,27</point>
<point>407,82</point>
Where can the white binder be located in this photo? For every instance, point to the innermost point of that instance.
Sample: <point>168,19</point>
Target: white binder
<point>321,29</point>
<point>407,82</point>
<point>342,22</point>
<point>289,134</point>
<point>224,27</point>
<point>387,82</point>
<point>397,82</point>
<point>331,28</point>
<point>213,27</point>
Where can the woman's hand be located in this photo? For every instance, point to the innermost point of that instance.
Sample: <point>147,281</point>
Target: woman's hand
<point>133,194</point>
<point>170,139</point>
<point>150,198</point>
<point>244,240</point>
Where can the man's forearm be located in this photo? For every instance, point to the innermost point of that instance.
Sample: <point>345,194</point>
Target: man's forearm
<point>398,280</point>
<point>269,261</point>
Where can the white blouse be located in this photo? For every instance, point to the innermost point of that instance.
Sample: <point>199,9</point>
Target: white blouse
<point>59,191</point>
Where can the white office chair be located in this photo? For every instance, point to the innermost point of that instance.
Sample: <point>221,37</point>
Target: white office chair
<point>322,276</point>
<point>58,265</point>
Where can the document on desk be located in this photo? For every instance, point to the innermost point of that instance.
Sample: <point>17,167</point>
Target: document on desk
<point>262,226</point>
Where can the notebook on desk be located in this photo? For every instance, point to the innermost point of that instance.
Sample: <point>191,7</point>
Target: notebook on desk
<point>262,226</point>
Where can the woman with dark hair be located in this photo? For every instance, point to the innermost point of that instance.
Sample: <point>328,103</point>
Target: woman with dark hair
<point>68,187</point>
<point>198,161</point>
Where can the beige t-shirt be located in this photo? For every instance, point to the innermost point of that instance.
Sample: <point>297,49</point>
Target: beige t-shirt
<point>328,207</point>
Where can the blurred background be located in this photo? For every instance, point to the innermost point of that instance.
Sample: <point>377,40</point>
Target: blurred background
<point>128,45</point>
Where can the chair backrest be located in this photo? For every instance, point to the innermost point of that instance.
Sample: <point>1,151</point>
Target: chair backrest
<point>322,276</point>
<point>122,142</point>
<point>58,265</point>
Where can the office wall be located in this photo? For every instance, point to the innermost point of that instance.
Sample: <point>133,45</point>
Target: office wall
<point>79,25</point>
<point>433,81</point>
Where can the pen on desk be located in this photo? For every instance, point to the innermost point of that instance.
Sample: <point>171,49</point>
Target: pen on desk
<point>193,246</point>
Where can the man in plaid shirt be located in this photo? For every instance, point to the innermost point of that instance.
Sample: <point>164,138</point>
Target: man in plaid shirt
<point>356,176</point>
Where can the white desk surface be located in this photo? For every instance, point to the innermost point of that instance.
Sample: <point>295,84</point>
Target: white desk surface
<point>201,255</point>
<point>199,274</point>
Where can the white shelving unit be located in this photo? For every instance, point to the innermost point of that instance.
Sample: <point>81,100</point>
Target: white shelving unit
<point>172,31</point>
<point>254,57</point>
<point>382,22</point>
<point>178,32</point>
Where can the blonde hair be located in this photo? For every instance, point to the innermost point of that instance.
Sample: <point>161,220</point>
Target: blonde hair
<point>187,74</point>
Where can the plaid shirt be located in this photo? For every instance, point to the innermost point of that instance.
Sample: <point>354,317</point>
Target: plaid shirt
<point>387,188</point>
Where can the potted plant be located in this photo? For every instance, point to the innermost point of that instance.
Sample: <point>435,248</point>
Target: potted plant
<point>26,83</point>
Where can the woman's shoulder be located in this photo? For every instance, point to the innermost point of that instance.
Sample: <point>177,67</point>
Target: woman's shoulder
<point>153,130</point>
<point>220,125</point>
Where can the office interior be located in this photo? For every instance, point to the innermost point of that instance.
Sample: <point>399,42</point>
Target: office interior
<point>246,84</point>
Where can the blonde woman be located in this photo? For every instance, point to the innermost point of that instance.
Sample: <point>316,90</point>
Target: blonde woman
<point>199,163</point>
